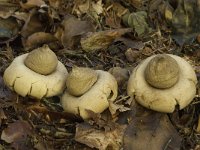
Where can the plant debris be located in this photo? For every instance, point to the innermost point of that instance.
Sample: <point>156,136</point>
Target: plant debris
<point>107,35</point>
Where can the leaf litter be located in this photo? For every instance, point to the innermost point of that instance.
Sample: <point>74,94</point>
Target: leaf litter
<point>73,29</point>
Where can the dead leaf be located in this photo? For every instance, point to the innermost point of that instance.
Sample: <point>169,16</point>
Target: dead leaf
<point>10,134</point>
<point>131,43</point>
<point>186,22</point>
<point>137,21</point>
<point>2,116</point>
<point>33,24</point>
<point>120,74</point>
<point>101,40</point>
<point>97,7</point>
<point>38,39</point>
<point>151,130</point>
<point>32,3</point>
<point>7,9</point>
<point>100,139</point>
<point>5,93</point>
<point>132,55</point>
<point>114,14</point>
<point>17,134</point>
<point>8,29</point>
<point>72,29</point>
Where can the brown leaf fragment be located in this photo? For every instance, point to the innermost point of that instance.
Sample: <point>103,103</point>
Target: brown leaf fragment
<point>101,40</point>
<point>99,139</point>
<point>5,93</point>
<point>73,28</point>
<point>33,24</point>
<point>132,55</point>
<point>2,116</point>
<point>31,4</point>
<point>185,21</point>
<point>8,29</point>
<point>16,132</point>
<point>131,43</point>
<point>151,130</point>
<point>120,74</point>
<point>7,9</point>
<point>38,39</point>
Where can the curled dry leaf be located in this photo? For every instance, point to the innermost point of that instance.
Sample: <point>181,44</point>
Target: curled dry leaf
<point>101,40</point>
<point>2,116</point>
<point>38,39</point>
<point>137,21</point>
<point>7,9</point>
<point>33,24</point>
<point>99,139</point>
<point>186,22</point>
<point>132,55</point>
<point>73,28</point>
<point>113,17</point>
<point>32,3</point>
<point>153,130</point>
<point>17,134</point>
<point>8,29</point>
<point>120,74</point>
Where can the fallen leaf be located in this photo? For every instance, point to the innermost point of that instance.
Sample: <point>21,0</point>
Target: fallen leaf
<point>38,39</point>
<point>102,39</point>
<point>151,130</point>
<point>10,134</point>
<point>100,139</point>
<point>97,7</point>
<point>17,134</point>
<point>120,74</point>
<point>8,29</point>
<point>32,3</point>
<point>7,9</point>
<point>5,93</point>
<point>72,29</point>
<point>2,116</point>
<point>186,22</point>
<point>137,21</point>
<point>131,43</point>
<point>132,55</point>
<point>33,24</point>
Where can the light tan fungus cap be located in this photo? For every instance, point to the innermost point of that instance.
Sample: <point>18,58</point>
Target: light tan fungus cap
<point>25,81</point>
<point>95,99</point>
<point>181,91</point>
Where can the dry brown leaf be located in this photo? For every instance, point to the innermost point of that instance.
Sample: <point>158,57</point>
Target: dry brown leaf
<point>5,93</point>
<point>32,3</point>
<point>97,7</point>
<point>132,55</point>
<point>101,40</point>
<point>8,29</point>
<point>10,134</point>
<point>100,139</point>
<point>151,130</point>
<point>32,25</point>
<point>7,9</point>
<point>2,116</point>
<point>113,15</point>
<point>17,134</point>
<point>38,39</point>
<point>120,74</point>
<point>73,28</point>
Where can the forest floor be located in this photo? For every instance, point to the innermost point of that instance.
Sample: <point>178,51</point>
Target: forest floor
<point>99,34</point>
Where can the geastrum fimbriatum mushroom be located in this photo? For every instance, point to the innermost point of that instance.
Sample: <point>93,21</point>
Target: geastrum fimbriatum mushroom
<point>88,89</point>
<point>163,81</point>
<point>37,74</point>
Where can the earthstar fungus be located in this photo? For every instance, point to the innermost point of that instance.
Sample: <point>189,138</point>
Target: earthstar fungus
<point>163,81</point>
<point>88,89</point>
<point>37,74</point>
